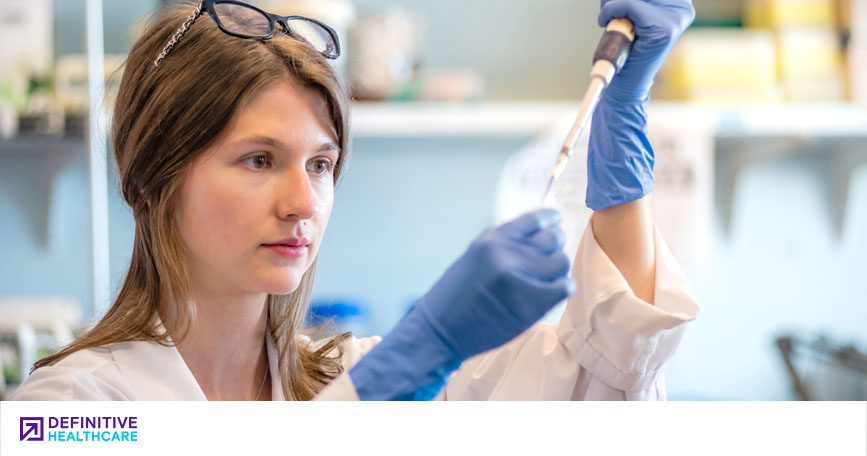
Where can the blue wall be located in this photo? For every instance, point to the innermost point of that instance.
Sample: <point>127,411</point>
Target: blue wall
<point>28,265</point>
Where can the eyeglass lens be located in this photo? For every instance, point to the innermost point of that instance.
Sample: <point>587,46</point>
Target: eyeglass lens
<point>237,18</point>
<point>314,34</point>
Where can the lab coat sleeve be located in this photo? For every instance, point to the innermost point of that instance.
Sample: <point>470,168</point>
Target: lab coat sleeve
<point>608,345</point>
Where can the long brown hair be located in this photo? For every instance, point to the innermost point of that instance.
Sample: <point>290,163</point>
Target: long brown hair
<point>164,118</point>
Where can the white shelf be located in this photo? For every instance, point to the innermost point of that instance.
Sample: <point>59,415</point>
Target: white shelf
<point>838,120</point>
<point>517,119</point>
<point>439,120</point>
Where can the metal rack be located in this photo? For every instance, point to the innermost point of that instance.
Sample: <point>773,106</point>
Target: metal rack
<point>821,369</point>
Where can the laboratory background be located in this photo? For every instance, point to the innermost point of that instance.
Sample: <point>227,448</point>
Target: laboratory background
<point>758,119</point>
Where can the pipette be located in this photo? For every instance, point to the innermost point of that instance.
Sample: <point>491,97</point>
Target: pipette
<point>611,54</point>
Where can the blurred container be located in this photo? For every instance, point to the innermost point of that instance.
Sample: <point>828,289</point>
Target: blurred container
<point>810,64</point>
<point>722,65</point>
<point>26,34</point>
<point>32,327</point>
<point>442,85</point>
<point>8,120</point>
<point>808,52</point>
<point>789,13</point>
<point>384,53</point>
<point>808,33</point>
<point>70,81</point>
<point>26,31</point>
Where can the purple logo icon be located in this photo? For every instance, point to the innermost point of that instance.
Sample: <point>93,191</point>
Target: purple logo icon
<point>31,428</point>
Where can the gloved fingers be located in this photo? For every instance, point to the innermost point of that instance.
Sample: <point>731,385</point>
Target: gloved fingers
<point>547,268</point>
<point>530,223</point>
<point>637,11</point>
<point>548,240</point>
<point>645,14</point>
<point>550,293</point>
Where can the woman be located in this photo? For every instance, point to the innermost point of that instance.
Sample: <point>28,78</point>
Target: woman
<point>229,148</point>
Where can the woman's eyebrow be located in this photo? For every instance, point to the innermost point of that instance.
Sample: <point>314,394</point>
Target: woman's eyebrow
<point>264,140</point>
<point>329,147</point>
<point>277,144</point>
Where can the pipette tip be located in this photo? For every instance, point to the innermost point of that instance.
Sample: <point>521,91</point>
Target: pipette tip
<point>548,189</point>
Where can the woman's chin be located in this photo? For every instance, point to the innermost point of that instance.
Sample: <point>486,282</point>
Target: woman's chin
<point>282,286</point>
<point>281,290</point>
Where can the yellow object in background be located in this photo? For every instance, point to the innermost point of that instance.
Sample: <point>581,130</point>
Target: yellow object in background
<point>789,13</point>
<point>810,64</point>
<point>808,52</point>
<point>723,66</point>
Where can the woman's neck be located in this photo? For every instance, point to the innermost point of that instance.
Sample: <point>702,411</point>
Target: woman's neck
<point>225,350</point>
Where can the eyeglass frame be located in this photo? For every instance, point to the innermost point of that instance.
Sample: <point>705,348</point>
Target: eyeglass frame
<point>283,21</point>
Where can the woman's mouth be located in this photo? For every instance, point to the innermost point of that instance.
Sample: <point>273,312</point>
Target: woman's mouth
<point>287,251</point>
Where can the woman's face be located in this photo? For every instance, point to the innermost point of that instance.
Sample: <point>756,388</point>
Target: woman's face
<point>254,206</point>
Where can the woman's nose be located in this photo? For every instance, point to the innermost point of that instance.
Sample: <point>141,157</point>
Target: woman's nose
<point>296,195</point>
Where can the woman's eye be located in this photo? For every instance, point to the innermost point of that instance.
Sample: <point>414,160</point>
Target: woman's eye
<point>321,166</point>
<point>260,161</point>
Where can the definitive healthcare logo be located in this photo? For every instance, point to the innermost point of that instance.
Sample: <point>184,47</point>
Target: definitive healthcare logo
<point>79,429</point>
<point>31,428</point>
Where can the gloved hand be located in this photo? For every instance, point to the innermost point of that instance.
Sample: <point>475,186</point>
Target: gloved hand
<point>620,157</point>
<point>506,280</point>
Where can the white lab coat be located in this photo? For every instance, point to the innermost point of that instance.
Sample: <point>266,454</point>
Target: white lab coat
<point>608,345</point>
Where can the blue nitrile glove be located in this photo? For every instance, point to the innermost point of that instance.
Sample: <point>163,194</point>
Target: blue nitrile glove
<point>620,157</point>
<point>506,280</point>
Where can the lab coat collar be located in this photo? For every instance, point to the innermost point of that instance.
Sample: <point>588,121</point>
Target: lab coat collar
<point>158,372</point>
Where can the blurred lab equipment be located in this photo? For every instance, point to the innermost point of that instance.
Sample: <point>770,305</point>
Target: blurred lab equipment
<point>824,370</point>
<point>783,50</point>
<point>33,327</point>
<point>28,24</point>
<point>70,81</point>
<point>722,66</point>
<point>344,314</point>
<point>26,32</point>
<point>384,52</point>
